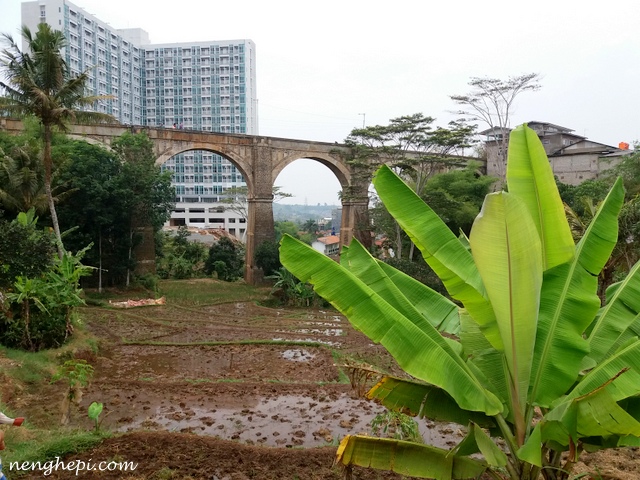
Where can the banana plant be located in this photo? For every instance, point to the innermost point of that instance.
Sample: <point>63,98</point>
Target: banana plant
<point>533,366</point>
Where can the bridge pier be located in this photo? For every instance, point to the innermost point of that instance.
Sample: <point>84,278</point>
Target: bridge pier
<point>355,213</point>
<point>262,230</point>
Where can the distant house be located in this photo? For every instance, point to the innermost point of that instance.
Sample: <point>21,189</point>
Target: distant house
<point>573,158</point>
<point>329,245</point>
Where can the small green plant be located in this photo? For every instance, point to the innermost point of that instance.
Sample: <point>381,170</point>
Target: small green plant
<point>292,291</point>
<point>76,373</point>
<point>93,412</point>
<point>165,473</point>
<point>396,425</point>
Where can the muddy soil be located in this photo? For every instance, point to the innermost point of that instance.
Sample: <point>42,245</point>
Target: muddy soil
<point>211,392</point>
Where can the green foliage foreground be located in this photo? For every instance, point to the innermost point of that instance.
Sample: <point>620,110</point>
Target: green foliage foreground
<point>537,364</point>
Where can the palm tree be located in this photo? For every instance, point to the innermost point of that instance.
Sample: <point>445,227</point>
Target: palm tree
<point>39,82</point>
<point>22,180</point>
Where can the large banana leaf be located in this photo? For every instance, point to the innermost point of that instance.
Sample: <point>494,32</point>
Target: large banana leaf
<point>506,249</point>
<point>440,248</point>
<point>491,452</point>
<point>529,176</point>
<point>420,351</point>
<point>569,303</point>
<point>429,305</point>
<point>425,300</point>
<point>488,364</point>
<point>627,360</point>
<point>419,399</point>
<point>595,414</point>
<point>407,458</point>
<point>620,312</point>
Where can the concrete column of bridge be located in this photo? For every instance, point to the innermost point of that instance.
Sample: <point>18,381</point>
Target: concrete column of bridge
<point>355,217</point>
<point>260,226</point>
<point>260,229</point>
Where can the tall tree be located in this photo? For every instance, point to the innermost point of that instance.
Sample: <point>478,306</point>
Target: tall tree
<point>39,82</point>
<point>457,196</point>
<point>491,101</point>
<point>143,190</point>
<point>413,147</point>
<point>94,209</point>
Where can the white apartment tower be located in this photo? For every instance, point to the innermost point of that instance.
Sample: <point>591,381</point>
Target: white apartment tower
<point>208,86</point>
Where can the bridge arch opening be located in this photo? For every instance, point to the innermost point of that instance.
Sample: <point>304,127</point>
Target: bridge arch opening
<point>309,182</point>
<point>211,191</point>
<point>315,205</point>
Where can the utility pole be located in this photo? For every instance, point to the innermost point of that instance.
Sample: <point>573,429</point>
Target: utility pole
<point>364,116</point>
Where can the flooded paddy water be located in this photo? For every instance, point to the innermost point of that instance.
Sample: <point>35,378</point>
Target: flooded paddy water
<point>237,371</point>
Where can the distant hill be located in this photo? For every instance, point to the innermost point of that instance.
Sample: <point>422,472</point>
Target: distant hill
<point>302,213</point>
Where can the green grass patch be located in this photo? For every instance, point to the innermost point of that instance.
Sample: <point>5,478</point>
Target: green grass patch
<point>188,292</point>
<point>201,292</point>
<point>196,381</point>
<point>41,445</point>
<point>29,367</point>
<point>37,367</point>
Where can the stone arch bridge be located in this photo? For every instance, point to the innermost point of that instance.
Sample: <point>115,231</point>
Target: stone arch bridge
<point>260,160</point>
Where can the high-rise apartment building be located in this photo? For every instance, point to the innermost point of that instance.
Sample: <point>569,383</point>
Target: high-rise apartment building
<point>208,86</point>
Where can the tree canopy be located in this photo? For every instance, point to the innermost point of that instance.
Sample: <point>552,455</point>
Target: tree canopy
<point>39,83</point>
<point>113,193</point>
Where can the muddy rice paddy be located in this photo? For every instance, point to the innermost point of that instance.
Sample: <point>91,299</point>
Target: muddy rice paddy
<point>235,391</point>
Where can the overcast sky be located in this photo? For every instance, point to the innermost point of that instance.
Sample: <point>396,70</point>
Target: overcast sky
<point>322,65</point>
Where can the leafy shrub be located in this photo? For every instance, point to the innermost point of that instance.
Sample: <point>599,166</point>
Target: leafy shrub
<point>267,257</point>
<point>24,250</point>
<point>292,291</point>
<point>37,312</point>
<point>148,281</point>
<point>178,257</point>
<point>230,255</point>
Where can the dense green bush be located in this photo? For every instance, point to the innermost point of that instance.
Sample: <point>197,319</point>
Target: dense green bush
<point>226,259</point>
<point>24,250</point>
<point>178,257</point>
<point>37,312</point>
<point>267,257</point>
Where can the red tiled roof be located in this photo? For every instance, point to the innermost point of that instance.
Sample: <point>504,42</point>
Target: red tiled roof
<point>329,240</point>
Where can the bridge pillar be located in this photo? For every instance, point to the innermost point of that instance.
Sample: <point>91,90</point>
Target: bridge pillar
<point>260,227</point>
<point>355,217</point>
